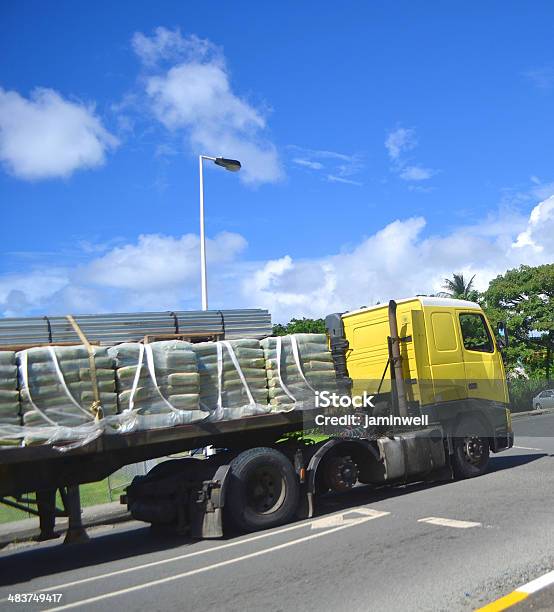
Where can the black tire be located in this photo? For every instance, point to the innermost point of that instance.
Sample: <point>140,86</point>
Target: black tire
<point>471,449</point>
<point>263,490</point>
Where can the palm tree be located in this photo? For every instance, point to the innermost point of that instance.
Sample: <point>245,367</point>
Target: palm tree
<point>458,287</point>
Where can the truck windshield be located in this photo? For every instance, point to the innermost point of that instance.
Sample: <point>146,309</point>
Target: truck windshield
<point>475,333</point>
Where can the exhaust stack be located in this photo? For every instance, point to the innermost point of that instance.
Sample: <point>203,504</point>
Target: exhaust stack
<point>396,362</point>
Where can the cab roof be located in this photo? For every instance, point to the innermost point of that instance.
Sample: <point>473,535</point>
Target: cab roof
<point>425,300</point>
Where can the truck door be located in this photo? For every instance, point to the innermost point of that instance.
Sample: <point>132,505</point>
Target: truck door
<point>483,367</point>
<point>445,356</point>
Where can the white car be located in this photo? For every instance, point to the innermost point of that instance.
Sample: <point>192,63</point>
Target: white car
<point>545,399</point>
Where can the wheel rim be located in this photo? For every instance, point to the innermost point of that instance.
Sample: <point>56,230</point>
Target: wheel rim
<point>265,490</point>
<point>474,449</point>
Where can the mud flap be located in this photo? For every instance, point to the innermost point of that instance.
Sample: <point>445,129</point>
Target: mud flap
<point>206,508</point>
<point>305,508</point>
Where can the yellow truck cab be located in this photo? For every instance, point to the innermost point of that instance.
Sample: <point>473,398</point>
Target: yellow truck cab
<point>429,356</point>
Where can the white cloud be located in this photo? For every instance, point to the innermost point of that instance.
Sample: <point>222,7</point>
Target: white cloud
<point>47,136</point>
<point>539,233</point>
<point>170,45</point>
<point>195,96</point>
<point>20,293</point>
<point>154,273</point>
<point>399,141</point>
<point>339,179</point>
<point>157,261</point>
<point>312,165</point>
<point>338,166</point>
<point>399,261</point>
<point>325,154</point>
<point>416,173</point>
<point>162,272</point>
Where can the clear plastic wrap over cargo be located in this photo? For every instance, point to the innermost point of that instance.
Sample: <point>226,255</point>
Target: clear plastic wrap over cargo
<point>158,384</point>
<point>9,396</point>
<point>233,382</point>
<point>65,391</point>
<point>297,367</point>
<point>70,395</point>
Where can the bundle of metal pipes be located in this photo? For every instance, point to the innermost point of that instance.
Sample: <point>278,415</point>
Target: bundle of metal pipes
<point>109,329</point>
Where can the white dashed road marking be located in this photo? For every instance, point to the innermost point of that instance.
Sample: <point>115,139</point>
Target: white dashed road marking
<point>349,516</point>
<point>445,522</point>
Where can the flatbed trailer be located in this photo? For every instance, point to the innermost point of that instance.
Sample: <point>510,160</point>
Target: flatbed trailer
<point>45,468</point>
<point>262,477</point>
<point>190,493</point>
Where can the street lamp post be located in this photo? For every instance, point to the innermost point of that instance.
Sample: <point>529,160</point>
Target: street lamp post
<point>233,166</point>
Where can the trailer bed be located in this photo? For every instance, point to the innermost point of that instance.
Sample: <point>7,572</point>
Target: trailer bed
<point>41,467</point>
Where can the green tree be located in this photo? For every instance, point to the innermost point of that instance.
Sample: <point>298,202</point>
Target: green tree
<point>524,299</point>
<point>300,326</point>
<point>458,287</point>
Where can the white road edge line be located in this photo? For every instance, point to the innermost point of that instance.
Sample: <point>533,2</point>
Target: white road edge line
<point>538,584</point>
<point>265,534</point>
<point>206,568</point>
<point>520,594</point>
<point>527,448</point>
<point>445,522</point>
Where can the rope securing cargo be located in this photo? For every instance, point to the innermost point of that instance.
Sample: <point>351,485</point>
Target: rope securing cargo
<point>96,406</point>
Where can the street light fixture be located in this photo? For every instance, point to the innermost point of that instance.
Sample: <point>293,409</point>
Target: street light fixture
<point>232,165</point>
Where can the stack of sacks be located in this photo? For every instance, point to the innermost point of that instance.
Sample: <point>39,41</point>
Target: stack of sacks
<point>56,386</point>
<point>9,395</point>
<point>158,383</point>
<point>228,396</point>
<point>293,382</point>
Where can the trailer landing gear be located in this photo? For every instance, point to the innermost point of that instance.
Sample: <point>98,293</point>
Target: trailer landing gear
<point>46,504</point>
<point>76,533</point>
<point>47,513</point>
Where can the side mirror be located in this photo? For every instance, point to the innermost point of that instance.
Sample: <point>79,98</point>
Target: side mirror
<point>503,340</point>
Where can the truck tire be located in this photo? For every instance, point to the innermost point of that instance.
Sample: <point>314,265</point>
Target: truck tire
<point>263,490</point>
<point>471,449</point>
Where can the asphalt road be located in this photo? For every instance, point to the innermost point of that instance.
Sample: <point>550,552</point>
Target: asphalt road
<point>368,550</point>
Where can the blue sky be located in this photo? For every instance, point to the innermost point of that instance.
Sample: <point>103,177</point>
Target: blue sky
<point>385,145</point>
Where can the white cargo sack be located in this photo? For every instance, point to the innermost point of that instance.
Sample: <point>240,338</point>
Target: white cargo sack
<point>59,392</point>
<point>10,416</point>
<point>232,378</point>
<point>298,366</point>
<point>157,384</point>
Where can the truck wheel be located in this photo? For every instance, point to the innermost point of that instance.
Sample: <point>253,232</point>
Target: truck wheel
<point>471,449</point>
<point>263,490</point>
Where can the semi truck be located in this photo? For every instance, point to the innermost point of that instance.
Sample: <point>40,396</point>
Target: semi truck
<point>430,357</point>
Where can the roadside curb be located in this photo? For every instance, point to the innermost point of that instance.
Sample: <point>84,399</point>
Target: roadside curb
<point>516,415</point>
<point>95,516</point>
<point>519,594</point>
